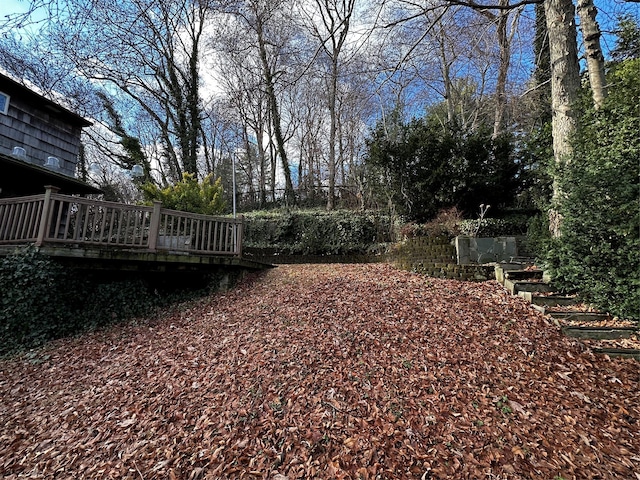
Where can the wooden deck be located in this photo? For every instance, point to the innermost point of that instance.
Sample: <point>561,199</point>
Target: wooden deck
<point>137,236</point>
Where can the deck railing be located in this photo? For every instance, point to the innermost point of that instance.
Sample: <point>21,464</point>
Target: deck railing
<point>52,218</point>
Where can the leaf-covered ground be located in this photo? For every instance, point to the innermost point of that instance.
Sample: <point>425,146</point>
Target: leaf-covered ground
<point>329,372</point>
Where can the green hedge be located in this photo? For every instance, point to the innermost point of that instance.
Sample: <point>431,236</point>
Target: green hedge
<point>496,227</point>
<point>317,232</point>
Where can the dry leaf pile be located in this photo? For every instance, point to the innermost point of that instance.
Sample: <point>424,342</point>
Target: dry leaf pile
<point>328,372</point>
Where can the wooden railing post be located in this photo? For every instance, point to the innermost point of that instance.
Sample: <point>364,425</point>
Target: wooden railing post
<point>239,235</point>
<point>47,211</point>
<point>154,226</point>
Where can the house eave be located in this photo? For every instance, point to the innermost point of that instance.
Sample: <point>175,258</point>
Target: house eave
<point>18,177</point>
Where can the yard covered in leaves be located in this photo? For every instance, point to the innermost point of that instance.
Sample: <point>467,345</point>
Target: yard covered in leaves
<point>325,371</point>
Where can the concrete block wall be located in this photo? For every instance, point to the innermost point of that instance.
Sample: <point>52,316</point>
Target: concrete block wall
<point>472,250</point>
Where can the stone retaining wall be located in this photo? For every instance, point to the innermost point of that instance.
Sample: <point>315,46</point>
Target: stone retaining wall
<point>436,257</point>
<point>431,256</point>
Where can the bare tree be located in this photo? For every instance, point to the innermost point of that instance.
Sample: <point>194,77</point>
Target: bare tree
<point>332,31</point>
<point>505,34</point>
<point>263,48</point>
<point>460,41</point>
<point>30,60</point>
<point>240,76</point>
<point>310,133</point>
<point>147,51</point>
<point>266,21</point>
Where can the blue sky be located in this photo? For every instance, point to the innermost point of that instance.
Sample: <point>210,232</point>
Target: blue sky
<point>10,7</point>
<point>608,10</point>
<point>13,6</point>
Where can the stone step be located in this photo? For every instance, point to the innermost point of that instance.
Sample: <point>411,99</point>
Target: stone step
<point>515,286</point>
<point>508,266</point>
<point>550,300</point>
<point>524,274</point>
<point>599,333</point>
<point>523,260</point>
<point>619,352</point>
<point>579,316</point>
<point>530,286</point>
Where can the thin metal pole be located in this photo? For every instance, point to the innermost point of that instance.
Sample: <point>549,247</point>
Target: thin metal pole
<point>233,176</point>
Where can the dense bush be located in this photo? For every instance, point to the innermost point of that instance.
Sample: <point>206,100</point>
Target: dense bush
<point>42,300</point>
<point>598,252</point>
<point>423,167</point>
<point>446,223</point>
<point>189,195</point>
<point>449,223</point>
<point>317,232</point>
<point>538,236</point>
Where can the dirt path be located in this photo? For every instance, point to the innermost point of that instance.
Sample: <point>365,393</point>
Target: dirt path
<point>325,371</point>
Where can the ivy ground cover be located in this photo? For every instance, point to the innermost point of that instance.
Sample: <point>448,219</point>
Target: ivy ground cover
<point>328,372</point>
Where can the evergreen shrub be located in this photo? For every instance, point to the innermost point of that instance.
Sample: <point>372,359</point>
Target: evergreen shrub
<point>598,251</point>
<point>422,167</point>
<point>189,195</point>
<point>538,236</point>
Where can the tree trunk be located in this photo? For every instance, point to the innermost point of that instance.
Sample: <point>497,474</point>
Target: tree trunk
<point>336,17</point>
<point>332,134</point>
<point>446,77</point>
<point>542,72</point>
<point>503,69</point>
<point>289,193</point>
<point>273,160</point>
<point>262,159</point>
<point>565,83</point>
<point>249,169</point>
<point>595,59</point>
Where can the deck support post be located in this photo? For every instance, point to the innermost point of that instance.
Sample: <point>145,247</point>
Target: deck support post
<point>154,226</point>
<point>45,217</point>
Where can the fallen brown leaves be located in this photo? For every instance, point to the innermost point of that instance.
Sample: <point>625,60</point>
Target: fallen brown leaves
<point>325,371</point>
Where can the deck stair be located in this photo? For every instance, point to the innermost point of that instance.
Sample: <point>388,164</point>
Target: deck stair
<point>567,311</point>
